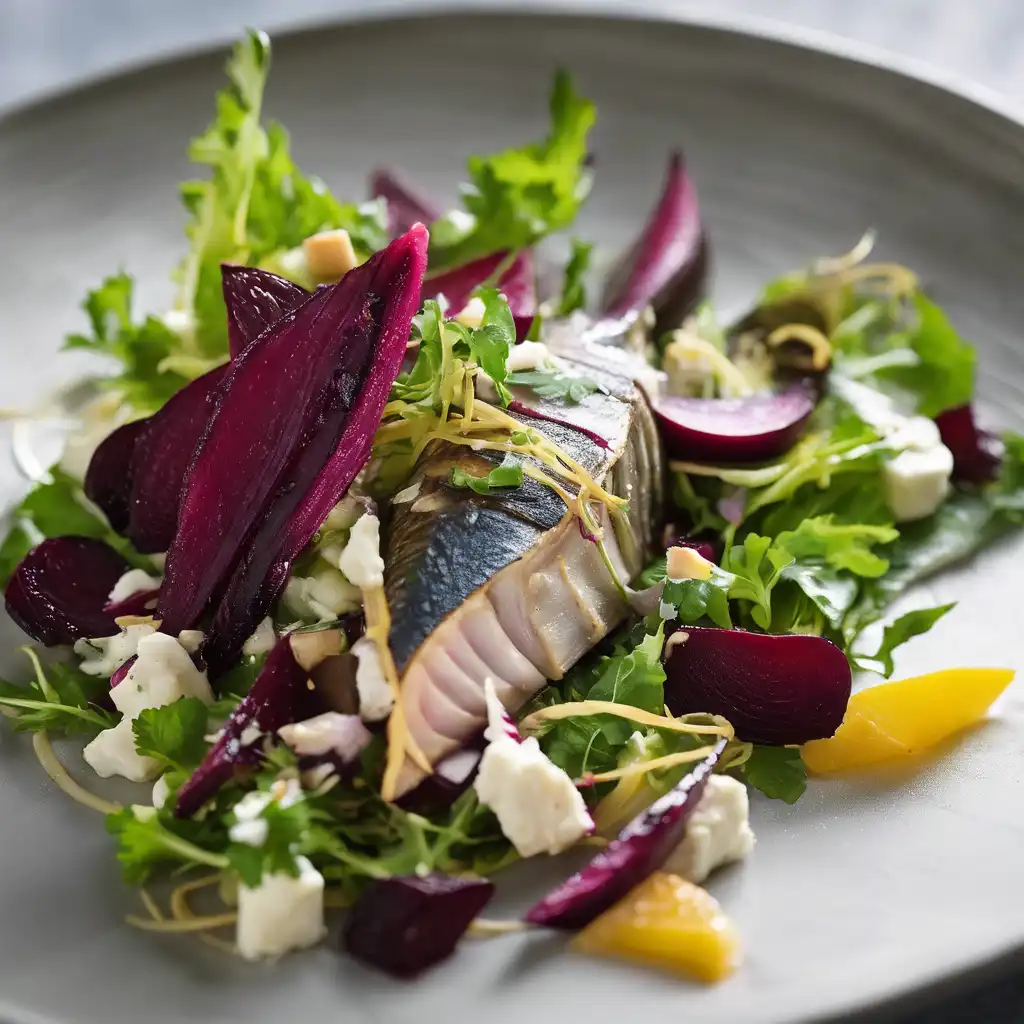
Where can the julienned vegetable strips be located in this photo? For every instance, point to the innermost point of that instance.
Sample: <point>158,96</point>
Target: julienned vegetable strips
<point>393,560</point>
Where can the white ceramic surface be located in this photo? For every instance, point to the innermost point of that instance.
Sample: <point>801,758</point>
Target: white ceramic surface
<point>869,887</point>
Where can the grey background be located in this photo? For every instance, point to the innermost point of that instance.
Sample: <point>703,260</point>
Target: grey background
<point>46,45</point>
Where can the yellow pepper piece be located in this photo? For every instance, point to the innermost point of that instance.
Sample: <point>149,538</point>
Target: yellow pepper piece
<point>905,717</point>
<point>669,923</point>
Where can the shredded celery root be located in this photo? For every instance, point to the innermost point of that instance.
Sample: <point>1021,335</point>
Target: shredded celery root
<point>730,378</point>
<point>59,774</point>
<point>821,348</point>
<point>486,928</point>
<point>584,708</point>
<point>182,918</point>
<point>657,764</point>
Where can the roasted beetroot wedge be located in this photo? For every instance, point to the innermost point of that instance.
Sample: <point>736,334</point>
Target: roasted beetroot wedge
<point>516,281</point>
<point>977,453</point>
<point>108,480</point>
<point>58,592</point>
<point>718,430</point>
<point>404,925</point>
<point>640,848</point>
<point>161,459</point>
<point>256,300</point>
<point>667,265</point>
<point>279,697</point>
<point>780,690</point>
<point>406,206</point>
<point>354,350</point>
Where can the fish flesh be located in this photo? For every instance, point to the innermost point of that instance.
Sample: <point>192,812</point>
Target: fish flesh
<point>504,585</point>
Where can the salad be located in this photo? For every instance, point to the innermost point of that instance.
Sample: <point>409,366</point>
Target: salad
<point>392,555</point>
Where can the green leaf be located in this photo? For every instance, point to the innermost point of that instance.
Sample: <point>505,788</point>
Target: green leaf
<point>140,348</point>
<point>518,196</point>
<point>757,566</point>
<point>508,474</point>
<point>905,628</point>
<point>60,699</point>
<point>574,292</point>
<point>778,772</point>
<point>839,545</point>
<point>944,375</point>
<point>1007,496</point>
<point>173,734</point>
<point>833,593</point>
<point>695,599</point>
<point>489,343</point>
<point>148,840</point>
<point>56,508</point>
<point>555,384</point>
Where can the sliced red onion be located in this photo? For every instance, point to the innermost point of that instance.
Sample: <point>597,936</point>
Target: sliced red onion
<point>406,205</point>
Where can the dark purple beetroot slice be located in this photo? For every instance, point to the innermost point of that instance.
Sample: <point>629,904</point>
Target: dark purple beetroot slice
<point>368,346</point>
<point>406,924</point>
<point>977,454</point>
<point>406,206</point>
<point>725,430</point>
<point>457,285</point>
<point>667,265</point>
<point>278,697</point>
<point>108,480</point>
<point>451,777</point>
<point>162,456</point>
<point>141,603</point>
<point>779,690</point>
<point>59,589</point>
<point>256,300</point>
<point>640,848</point>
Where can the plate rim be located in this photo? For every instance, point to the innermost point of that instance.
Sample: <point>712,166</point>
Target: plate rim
<point>990,967</point>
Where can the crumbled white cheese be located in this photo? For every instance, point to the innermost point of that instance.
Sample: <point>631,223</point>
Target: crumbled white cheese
<point>683,563</point>
<point>113,752</point>
<point>262,641</point>
<point>331,732</point>
<point>103,656</point>
<point>249,735</point>
<point>528,355</point>
<point>537,805</point>
<point>322,597</point>
<point>162,673</point>
<point>161,791</point>
<point>376,698</point>
<point>330,254</point>
<point>250,833</point>
<point>472,313</point>
<point>134,581</point>
<point>717,833</point>
<point>191,639</point>
<point>667,610</point>
<point>360,561</point>
<point>281,913</point>
<point>917,480</point>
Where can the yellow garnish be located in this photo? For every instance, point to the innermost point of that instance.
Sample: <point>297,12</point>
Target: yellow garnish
<point>585,708</point>
<point>57,772</point>
<point>657,764</point>
<point>685,344</point>
<point>821,349</point>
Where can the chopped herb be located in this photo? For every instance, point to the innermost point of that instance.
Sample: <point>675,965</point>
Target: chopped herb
<point>778,772</point>
<point>574,292</point>
<point>554,384</point>
<point>508,474</point>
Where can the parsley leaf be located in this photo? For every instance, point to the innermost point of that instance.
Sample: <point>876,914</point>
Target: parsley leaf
<point>516,197</point>
<point>574,291</point>
<point>140,348</point>
<point>757,566</point>
<point>905,628</point>
<point>173,734</point>
<point>508,474</point>
<point>778,772</point>
<point>60,699</point>
<point>841,546</point>
<point>695,599</point>
<point>554,384</point>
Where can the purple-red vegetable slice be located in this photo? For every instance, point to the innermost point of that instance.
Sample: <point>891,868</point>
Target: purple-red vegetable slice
<point>667,265</point>
<point>279,696</point>
<point>778,690</point>
<point>516,282</point>
<point>256,300</point>
<point>451,777</point>
<point>108,479</point>
<point>59,589</point>
<point>726,430</point>
<point>367,344</point>
<point>406,205</point>
<point>640,848</point>
<point>161,460</point>
<point>977,454</point>
<point>404,925</point>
